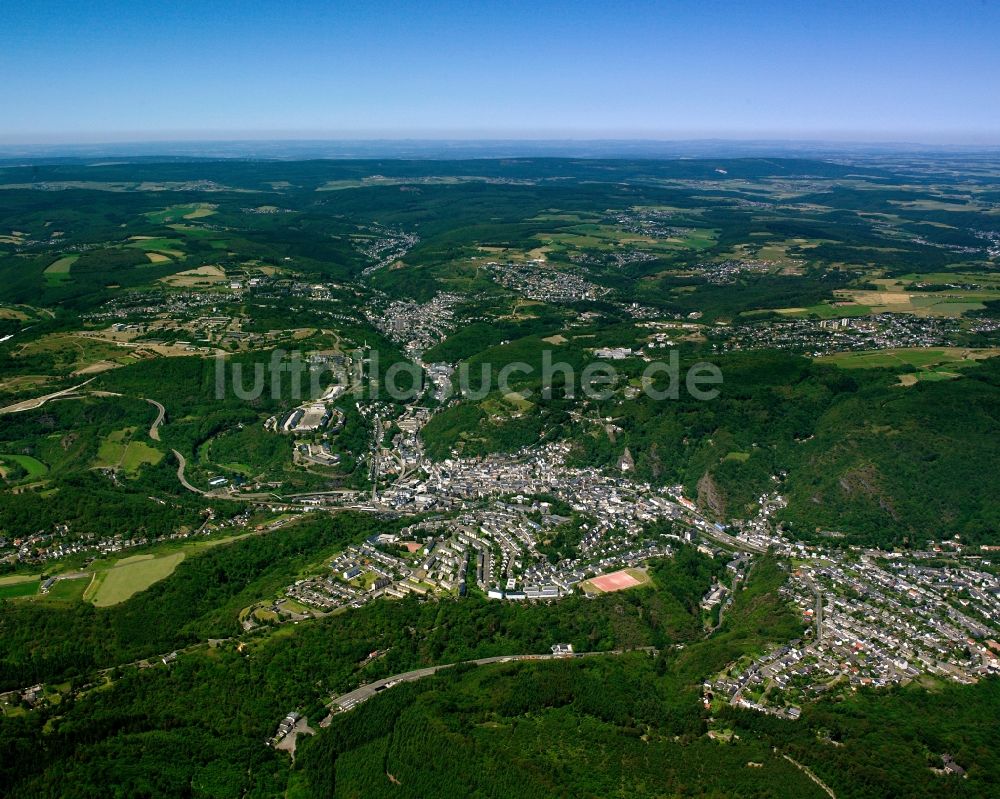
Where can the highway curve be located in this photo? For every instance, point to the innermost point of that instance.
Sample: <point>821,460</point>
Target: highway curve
<point>154,432</point>
<point>181,465</point>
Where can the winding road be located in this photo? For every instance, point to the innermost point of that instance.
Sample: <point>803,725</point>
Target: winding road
<point>154,432</point>
<point>181,465</point>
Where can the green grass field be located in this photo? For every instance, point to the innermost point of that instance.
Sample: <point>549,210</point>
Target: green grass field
<point>177,212</point>
<point>70,352</point>
<point>698,239</point>
<point>19,589</point>
<point>130,576</point>
<point>161,244</point>
<point>919,358</point>
<point>823,311</point>
<point>942,363</point>
<point>12,579</point>
<point>34,467</point>
<point>27,587</point>
<point>988,281</point>
<point>192,232</point>
<point>138,453</point>
<point>118,451</point>
<point>66,590</point>
<point>59,271</point>
<point>603,237</point>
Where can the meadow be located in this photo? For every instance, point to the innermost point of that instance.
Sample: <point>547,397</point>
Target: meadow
<point>59,270</point>
<point>130,576</point>
<point>119,451</point>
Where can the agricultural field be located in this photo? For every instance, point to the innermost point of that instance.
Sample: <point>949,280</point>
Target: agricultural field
<point>176,213</point>
<point>203,276</point>
<point>604,238</point>
<point>173,248</point>
<point>952,304</point>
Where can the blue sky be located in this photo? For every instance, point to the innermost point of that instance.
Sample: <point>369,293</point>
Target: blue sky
<point>875,70</point>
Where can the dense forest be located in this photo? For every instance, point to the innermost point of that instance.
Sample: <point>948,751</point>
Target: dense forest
<point>603,727</point>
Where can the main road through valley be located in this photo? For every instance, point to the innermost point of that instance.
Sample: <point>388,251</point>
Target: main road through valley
<point>353,698</point>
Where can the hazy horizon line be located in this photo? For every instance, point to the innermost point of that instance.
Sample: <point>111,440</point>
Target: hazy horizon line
<point>912,138</point>
<point>479,148</point>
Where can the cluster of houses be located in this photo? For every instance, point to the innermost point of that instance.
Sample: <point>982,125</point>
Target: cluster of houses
<point>383,246</point>
<point>61,541</point>
<point>537,282</point>
<point>498,526</point>
<point>872,618</point>
<point>418,326</point>
<point>724,272</point>
<point>871,332</point>
<point>650,222</point>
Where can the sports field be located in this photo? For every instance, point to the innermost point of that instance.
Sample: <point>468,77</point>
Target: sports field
<point>615,581</point>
